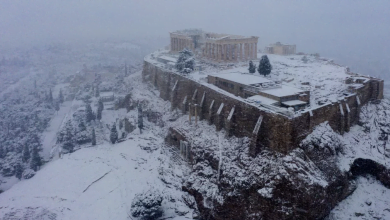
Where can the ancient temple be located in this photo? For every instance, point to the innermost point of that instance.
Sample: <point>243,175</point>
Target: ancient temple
<point>215,47</point>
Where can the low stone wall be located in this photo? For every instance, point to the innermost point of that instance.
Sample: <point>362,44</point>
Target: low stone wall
<point>277,132</point>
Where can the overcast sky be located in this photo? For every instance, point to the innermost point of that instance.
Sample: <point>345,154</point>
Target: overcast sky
<point>341,29</point>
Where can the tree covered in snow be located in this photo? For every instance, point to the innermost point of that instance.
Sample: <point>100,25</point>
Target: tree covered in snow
<point>18,171</point>
<point>100,110</point>
<point>50,98</point>
<point>93,137</point>
<point>120,124</point>
<point>26,154</point>
<point>97,92</point>
<point>36,160</point>
<point>252,67</point>
<point>57,106</point>
<point>147,205</point>
<point>61,97</point>
<point>265,66</point>
<point>89,115</point>
<point>113,134</point>
<point>186,62</point>
<point>66,137</point>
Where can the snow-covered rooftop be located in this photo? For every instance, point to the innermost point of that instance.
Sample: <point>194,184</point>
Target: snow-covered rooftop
<point>283,91</point>
<point>262,100</point>
<point>239,77</point>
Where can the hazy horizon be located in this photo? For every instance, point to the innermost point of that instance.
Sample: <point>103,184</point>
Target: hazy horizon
<point>354,33</point>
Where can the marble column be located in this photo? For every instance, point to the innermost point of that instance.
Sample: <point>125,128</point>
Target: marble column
<point>219,52</point>
<point>255,50</point>
<point>250,50</point>
<point>240,44</point>
<point>235,52</point>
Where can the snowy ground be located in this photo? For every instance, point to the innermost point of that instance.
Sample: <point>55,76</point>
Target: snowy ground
<point>66,188</point>
<point>369,201</point>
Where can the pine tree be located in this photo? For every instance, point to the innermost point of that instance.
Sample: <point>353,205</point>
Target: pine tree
<point>26,154</point>
<point>50,96</point>
<point>36,160</point>
<point>140,119</point>
<point>97,92</point>
<point>61,97</point>
<point>120,124</point>
<point>252,67</point>
<point>82,126</point>
<point>100,109</point>
<point>57,106</point>
<point>93,137</point>
<point>186,62</point>
<point>68,142</point>
<point>264,66</point>
<point>113,134</point>
<point>18,171</point>
<point>88,113</point>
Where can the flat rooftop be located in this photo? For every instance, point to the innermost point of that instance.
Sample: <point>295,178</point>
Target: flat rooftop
<point>245,79</point>
<point>283,91</point>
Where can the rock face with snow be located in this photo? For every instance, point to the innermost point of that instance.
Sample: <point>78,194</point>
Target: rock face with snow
<point>307,183</point>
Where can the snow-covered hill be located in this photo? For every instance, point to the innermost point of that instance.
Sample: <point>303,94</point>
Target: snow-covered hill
<point>99,183</point>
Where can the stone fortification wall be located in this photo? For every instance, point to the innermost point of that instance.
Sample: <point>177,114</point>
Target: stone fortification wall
<point>277,132</point>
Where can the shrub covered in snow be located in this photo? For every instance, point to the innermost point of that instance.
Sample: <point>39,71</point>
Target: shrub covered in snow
<point>147,205</point>
<point>28,173</point>
<point>185,63</point>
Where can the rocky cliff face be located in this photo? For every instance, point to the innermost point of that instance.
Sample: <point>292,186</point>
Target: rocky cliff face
<point>304,184</point>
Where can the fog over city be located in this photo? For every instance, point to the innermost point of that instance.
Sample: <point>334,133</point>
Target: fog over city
<point>194,109</point>
<point>354,33</point>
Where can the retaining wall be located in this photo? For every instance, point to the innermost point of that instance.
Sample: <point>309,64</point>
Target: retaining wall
<point>277,132</point>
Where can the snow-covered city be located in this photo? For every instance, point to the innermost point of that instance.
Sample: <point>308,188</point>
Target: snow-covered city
<point>166,121</point>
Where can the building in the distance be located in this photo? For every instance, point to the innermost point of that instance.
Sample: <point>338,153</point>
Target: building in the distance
<point>215,47</point>
<point>281,49</point>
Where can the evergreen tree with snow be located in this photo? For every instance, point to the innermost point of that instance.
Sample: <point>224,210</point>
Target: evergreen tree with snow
<point>18,171</point>
<point>252,67</point>
<point>61,97</point>
<point>93,137</point>
<point>99,114</point>
<point>100,109</point>
<point>36,160</point>
<point>26,153</point>
<point>97,92</point>
<point>113,134</point>
<point>264,66</point>
<point>82,126</point>
<point>140,119</point>
<point>147,205</point>
<point>186,62</point>
<point>57,106</point>
<point>88,113</point>
<point>50,96</point>
<point>120,124</point>
<point>68,142</point>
